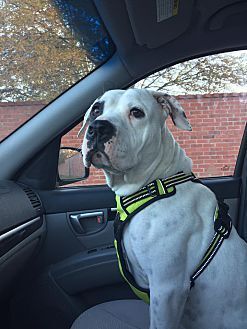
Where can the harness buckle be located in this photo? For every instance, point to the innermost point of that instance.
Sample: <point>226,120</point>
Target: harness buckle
<point>223,223</point>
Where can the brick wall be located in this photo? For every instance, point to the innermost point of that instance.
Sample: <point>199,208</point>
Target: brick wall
<point>218,123</point>
<point>217,120</point>
<point>12,115</point>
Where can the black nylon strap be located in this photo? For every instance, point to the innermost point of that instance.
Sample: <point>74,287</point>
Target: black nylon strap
<point>118,232</point>
<point>222,226</point>
<point>216,242</point>
<point>152,189</point>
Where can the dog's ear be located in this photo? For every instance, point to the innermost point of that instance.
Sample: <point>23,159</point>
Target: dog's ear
<point>173,108</point>
<point>85,121</point>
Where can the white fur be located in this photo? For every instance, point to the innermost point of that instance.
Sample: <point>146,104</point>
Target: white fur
<point>166,241</point>
<point>143,149</point>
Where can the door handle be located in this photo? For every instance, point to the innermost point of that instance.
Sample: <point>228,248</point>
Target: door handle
<point>78,219</point>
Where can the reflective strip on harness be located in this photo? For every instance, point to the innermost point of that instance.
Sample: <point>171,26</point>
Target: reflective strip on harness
<point>222,227</point>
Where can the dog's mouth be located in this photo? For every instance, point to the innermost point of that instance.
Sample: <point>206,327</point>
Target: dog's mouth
<point>100,160</point>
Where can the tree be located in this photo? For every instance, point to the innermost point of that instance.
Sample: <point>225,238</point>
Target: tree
<point>46,47</point>
<point>210,74</point>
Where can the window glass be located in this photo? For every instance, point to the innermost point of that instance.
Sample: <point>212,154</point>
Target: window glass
<point>45,47</point>
<point>213,93</point>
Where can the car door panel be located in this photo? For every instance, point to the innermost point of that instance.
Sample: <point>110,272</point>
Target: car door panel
<point>77,198</point>
<point>62,238</point>
<point>61,242</point>
<point>64,241</point>
<point>87,270</point>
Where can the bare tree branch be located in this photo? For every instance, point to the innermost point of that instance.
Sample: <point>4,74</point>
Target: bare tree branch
<point>209,74</point>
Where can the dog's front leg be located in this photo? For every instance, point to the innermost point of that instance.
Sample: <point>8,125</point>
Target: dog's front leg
<point>167,306</point>
<point>169,289</point>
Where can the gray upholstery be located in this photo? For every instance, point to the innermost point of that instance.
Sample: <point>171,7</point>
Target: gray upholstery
<point>120,314</point>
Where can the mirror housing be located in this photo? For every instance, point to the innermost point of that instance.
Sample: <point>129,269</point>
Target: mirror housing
<point>70,166</point>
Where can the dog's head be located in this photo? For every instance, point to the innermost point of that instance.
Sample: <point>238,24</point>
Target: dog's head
<point>125,128</point>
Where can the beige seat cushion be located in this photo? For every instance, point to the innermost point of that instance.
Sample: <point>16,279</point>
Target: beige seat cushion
<point>120,314</point>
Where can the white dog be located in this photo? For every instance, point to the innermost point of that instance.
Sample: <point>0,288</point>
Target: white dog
<point>165,242</point>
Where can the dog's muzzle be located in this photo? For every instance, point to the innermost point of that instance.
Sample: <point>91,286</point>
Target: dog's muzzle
<point>98,134</point>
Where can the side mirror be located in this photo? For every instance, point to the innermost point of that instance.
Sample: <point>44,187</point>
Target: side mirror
<point>70,166</point>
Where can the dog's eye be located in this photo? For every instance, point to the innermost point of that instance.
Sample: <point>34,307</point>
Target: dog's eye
<point>95,112</point>
<point>137,113</point>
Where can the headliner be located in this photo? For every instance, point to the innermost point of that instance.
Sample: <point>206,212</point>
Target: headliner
<point>200,28</point>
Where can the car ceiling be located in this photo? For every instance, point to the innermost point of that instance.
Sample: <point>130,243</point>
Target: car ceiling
<point>200,27</point>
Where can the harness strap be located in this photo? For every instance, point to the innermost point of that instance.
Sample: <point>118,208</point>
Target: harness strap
<point>222,227</point>
<point>160,188</point>
<point>128,206</point>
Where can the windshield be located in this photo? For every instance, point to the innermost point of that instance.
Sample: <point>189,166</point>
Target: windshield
<point>46,46</point>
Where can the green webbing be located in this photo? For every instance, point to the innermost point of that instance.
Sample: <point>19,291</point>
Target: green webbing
<point>142,295</point>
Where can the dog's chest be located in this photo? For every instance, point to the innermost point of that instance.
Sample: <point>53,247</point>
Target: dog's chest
<point>157,235</point>
<point>136,240</point>
<point>166,234</point>
<point>151,237</point>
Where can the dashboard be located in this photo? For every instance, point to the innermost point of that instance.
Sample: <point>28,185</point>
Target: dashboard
<point>21,228</point>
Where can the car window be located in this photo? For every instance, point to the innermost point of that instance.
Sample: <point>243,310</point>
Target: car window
<point>213,93</point>
<point>45,47</point>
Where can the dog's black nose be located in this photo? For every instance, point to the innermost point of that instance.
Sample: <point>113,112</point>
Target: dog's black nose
<point>102,129</point>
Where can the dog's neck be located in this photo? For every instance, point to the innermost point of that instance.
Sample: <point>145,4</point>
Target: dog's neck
<point>163,160</point>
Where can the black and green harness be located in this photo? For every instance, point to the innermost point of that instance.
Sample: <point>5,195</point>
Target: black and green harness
<point>130,205</point>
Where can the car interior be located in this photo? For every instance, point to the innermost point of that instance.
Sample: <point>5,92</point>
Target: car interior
<point>53,268</point>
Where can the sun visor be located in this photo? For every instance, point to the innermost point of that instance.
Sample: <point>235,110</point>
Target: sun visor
<point>158,21</point>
